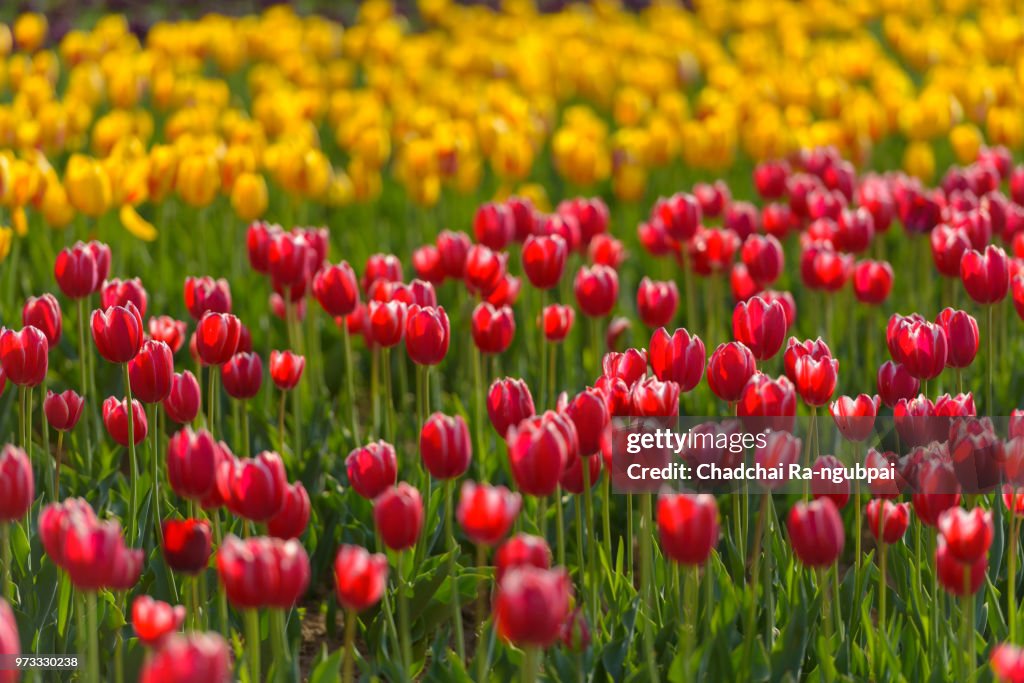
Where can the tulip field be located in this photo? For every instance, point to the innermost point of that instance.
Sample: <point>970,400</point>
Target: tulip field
<point>464,342</point>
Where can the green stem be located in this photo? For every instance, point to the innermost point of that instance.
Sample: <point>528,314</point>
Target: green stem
<point>375,389</point>
<point>246,440</point>
<point>281,433</point>
<point>559,526</point>
<point>478,411</point>
<point>1011,572</point>
<point>389,400</point>
<point>453,549</point>
<point>403,618</point>
<point>211,408</point>
<point>252,643</point>
<point>93,634</point>
<point>5,540</point>
<point>588,505</point>
<point>283,656</point>
<point>989,405</point>
<point>84,366</point>
<point>349,383</point>
<point>532,656</point>
<point>647,582</point>
<point>222,600</point>
<point>351,623</point>
<point>133,534</point>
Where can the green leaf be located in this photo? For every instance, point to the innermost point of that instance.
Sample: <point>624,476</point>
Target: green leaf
<point>328,670</point>
<point>64,605</point>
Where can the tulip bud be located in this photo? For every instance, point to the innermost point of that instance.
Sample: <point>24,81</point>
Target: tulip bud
<point>486,513</point>
<point>398,514</point>
<point>596,288</point>
<point>286,369</point>
<point>532,604</point>
<point>359,577</point>
<point>293,517</point>
<point>17,487</point>
<point>372,469</point>
<point>115,419</point>
<point>816,532</point>
<point>180,656</point>
<point>887,521</point>
<point>153,620</point>
<point>186,545</point>
<point>24,356</point>
<point>445,446</point>
<point>427,335</point>
<point>656,302</point>
<point>205,295</point>
<point>509,402</point>
<point>242,375</point>
<point>492,328</point>
<point>63,410</point>
<point>254,488</point>
<point>43,313</point>
<point>687,527</point>
<point>557,321</point>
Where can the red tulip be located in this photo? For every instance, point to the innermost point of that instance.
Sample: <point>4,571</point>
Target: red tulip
<point>767,401</point>
<point>887,521</point>
<point>687,527</point>
<point>948,246</point>
<point>24,356</point>
<point>484,269</point>
<point>506,292</point>
<point>557,322</point>
<point>77,271</point>
<point>572,475</point>
<point>387,322</point>
<point>257,240</point>
<point>115,418</point>
<point>962,336</point>
<point>423,293</point>
<point>359,577</point>
<point>565,225</point>
<point>372,469</point>
<point>398,514</point>
<point>937,491</point>
<point>606,250</point>
<point>63,410</point>
<point>293,517</point>
<point>509,402</point>
<point>286,369</point>
<point>652,397</point>
<point>523,217</point>
<point>486,513</point>
<point>830,485</point>
<point>678,358</point>
<point>589,414</point>
<point>872,281</point>
<point>680,214</point>
<point>43,313</point>
<point>742,218</point>
<point>763,257</point>
<point>120,292</point>
<point>816,532</point>
<point>657,301</point>
<point>56,519</point>
<point>334,286</point>
<point>630,365</point>
<point>823,268</point>
<point>117,332</point>
<point>590,212</point>
<point>770,179</point>
<point>778,220</point>
<point>289,257</point>
<point>492,328</point>
<point>453,248</point>
<point>444,446</point>
<point>855,417</point>
<point>760,325</point>
<point>186,546</point>
<point>153,620</point>
<point>192,459</point>
<point>254,488</point>
<point>94,556</point>
<point>575,634</point>
<point>616,328</point>
<point>730,368</point>
<point>168,330</point>
<point>182,404</point>
<point>815,379</point>
<point>522,550</point>
<point>781,448</point>
<point>895,383</point>
<point>151,372</point>
<point>427,335</point>
<point>596,288</point>
<point>532,604</point>
<point>920,346</point>
<point>242,375</point>
<point>654,238</point>
<point>968,534</point>
<point>787,302</point>
<point>815,349</point>
<point>205,295</point>
<point>538,449</point>
<point>1008,659</point>
<point>191,658</point>
<point>493,225</point>
<point>986,275</point>
<point>1018,295</point>
<point>959,578</point>
<point>426,261</point>
<point>217,337</point>
<point>262,572</point>
<point>17,487</point>
<point>742,285</point>
<point>711,251</point>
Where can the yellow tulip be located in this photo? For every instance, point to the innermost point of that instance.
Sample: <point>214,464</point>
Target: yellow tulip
<point>249,196</point>
<point>6,236</point>
<point>919,161</point>
<point>30,31</point>
<point>87,185</point>
<point>198,179</point>
<point>57,210</point>
<point>966,140</point>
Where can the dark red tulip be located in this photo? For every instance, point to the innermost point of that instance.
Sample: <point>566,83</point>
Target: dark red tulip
<point>484,269</point>
<point>651,397</point>
<point>596,288</point>
<point>742,218</point>
<point>948,246</point>
<point>730,368</point>
<point>532,604</point>
<point>986,275</point>
<point>115,418</point>
<point>445,447</point>
<point>522,550</point>
<point>151,372</point>
<point>17,487</point>
<point>63,410</point>
<point>959,578</point>
<point>606,250</point>
<point>334,286</point>
<point>492,328</point>
<point>242,375</point>
<point>654,238</point>
<point>187,544</point>
<point>254,488</point>
<point>887,521</point>
<point>154,620</point>
<point>762,254</point>
<point>829,482</point>
<point>961,335</point>
<point>1007,659</point>
<point>711,251</point>
<point>855,230</point>
<point>937,490</point>
<point>183,402</point>
<point>523,217</point>
<point>117,332</point>
<point>289,257</point>
<point>293,517</point>
<point>589,414</point>
<point>423,293</point>
<point>217,337</point>
<point>895,382</point>
<point>387,322</point>
<point>24,356</point>
<point>816,349</point>
<point>760,325</point>
<point>359,577</point>
<point>557,321</point>
<point>920,346</point>
<point>168,330</point>
<point>657,301</point>
<point>398,514</point>
<point>855,417</point>
<point>372,469</point>
<point>286,369</point>
<point>538,448</point>
<point>770,179</point>
<point>192,459</point>
<point>687,527</point>
<point>453,249</point>
<point>509,402</point>
<point>205,295</point>
<point>872,281</point>
<point>77,271</point>
<point>119,292</point>
<point>43,313</point>
<point>815,379</point>
<point>680,214</point>
<point>191,658</point>
<point>816,532</point>
<point>486,513</point>
<point>767,401</point>
<point>493,225</point>
<point>257,241</point>
<point>572,475</point>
